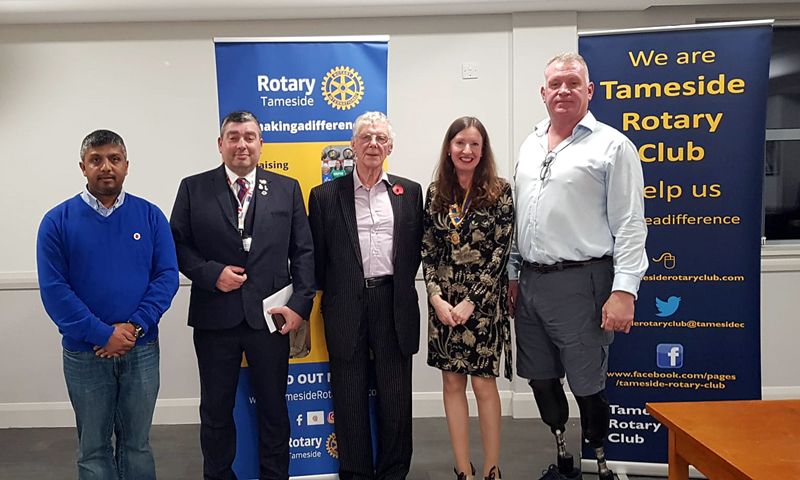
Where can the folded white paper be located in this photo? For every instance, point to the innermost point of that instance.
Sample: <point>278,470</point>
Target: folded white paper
<point>277,299</point>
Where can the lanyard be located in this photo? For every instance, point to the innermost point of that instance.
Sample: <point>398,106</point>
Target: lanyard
<point>241,209</point>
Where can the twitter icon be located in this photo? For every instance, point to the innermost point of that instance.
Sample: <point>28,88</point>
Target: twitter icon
<point>666,309</point>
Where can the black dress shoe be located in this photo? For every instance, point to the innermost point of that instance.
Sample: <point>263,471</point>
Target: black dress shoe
<point>607,475</point>
<point>552,473</point>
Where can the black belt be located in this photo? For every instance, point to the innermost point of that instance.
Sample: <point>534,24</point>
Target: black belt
<point>558,266</point>
<point>377,281</point>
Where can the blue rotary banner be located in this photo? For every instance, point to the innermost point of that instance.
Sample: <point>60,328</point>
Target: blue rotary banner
<point>306,94</point>
<point>693,101</point>
<point>302,91</point>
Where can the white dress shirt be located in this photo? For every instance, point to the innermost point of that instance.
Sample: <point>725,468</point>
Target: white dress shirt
<point>251,184</point>
<point>375,221</point>
<point>98,206</point>
<point>590,204</point>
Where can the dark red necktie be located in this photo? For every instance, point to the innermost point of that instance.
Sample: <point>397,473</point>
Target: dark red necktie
<point>243,189</point>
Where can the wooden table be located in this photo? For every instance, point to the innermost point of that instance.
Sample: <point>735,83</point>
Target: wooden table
<point>754,439</point>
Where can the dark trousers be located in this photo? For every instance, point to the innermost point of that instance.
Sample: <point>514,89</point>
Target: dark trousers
<point>219,357</point>
<point>349,383</point>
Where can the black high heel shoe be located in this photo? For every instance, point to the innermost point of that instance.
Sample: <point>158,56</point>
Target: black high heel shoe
<point>464,476</point>
<point>494,474</point>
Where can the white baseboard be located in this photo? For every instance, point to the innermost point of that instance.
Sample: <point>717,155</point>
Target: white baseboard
<point>780,393</point>
<point>179,411</point>
<point>524,406</point>
<point>430,405</point>
<point>36,415</point>
<point>169,411</point>
<point>636,468</point>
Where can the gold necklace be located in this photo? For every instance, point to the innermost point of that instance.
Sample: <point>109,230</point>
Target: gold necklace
<point>457,214</point>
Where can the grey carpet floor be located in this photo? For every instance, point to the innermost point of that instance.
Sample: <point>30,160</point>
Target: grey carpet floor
<point>49,453</point>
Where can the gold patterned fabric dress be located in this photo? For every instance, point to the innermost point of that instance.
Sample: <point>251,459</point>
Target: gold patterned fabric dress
<point>469,261</point>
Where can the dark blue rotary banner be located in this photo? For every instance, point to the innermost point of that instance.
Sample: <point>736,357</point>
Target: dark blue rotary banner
<point>693,101</point>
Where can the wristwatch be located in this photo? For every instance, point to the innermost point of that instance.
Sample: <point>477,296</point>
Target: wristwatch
<point>138,331</point>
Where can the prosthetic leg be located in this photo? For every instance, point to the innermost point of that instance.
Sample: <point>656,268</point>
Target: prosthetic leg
<point>552,403</point>
<point>595,415</point>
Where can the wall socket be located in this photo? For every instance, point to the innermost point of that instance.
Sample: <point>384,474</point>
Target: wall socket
<point>469,70</point>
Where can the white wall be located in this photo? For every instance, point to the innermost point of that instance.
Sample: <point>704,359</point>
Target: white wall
<point>155,84</point>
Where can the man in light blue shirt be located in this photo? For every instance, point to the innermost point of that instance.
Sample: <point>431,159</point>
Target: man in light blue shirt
<point>578,257</point>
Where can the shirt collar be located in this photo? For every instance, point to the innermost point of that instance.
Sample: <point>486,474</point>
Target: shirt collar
<point>232,177</point>
<point>588,122</point>
<point>357,181</point>
<point>93,202</point>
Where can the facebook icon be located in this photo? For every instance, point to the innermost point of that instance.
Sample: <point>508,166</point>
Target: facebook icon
<point>669,355</point>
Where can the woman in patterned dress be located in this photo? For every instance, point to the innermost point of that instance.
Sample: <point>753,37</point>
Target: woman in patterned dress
<point>468,222</point>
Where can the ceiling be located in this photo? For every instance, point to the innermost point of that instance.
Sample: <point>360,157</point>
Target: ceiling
<point>83,11</point>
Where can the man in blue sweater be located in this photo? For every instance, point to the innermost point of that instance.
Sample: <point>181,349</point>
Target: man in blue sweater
<point>107,273</point>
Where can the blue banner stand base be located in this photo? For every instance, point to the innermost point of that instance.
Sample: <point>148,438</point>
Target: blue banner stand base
<point>634,468</point>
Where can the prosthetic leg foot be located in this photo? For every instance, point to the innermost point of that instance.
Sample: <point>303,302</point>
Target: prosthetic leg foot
<point>594,421</point>
<point>566,463</point>
<point>553,407</point>
<point>603,472</point>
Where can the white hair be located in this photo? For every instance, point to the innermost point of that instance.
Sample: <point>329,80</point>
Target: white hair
<point>371,118</point>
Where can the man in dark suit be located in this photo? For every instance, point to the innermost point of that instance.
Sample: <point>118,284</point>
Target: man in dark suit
<point>241,235</point>
<point>367,230</point>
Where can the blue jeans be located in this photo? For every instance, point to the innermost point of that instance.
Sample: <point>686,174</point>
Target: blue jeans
<point>114,396</point>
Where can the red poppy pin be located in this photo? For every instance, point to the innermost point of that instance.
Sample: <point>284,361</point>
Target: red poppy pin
<point>397,189</point>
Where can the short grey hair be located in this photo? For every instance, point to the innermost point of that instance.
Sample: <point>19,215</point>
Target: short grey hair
<point>371,118</point>
<point>570,57</point>
<point>99,138</point>
<point>241,116</point>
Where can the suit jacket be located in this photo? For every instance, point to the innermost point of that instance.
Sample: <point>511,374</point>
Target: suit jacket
<point>204,225</point>
<point>339,269</point>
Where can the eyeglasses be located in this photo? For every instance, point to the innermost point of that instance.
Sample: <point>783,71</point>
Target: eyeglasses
<point>367,138</point>
<point>544,173</point>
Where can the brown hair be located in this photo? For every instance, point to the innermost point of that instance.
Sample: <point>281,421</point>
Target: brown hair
<point>486,187</point>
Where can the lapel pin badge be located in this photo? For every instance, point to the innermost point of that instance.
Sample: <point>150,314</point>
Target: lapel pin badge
<point>397,189</point>
<point>137,236</point>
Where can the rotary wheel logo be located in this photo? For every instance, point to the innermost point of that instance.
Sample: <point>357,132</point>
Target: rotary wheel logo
<point>331,446</point>
<point>342,88</point>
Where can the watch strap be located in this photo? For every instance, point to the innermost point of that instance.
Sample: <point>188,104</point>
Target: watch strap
<point>138,331</point>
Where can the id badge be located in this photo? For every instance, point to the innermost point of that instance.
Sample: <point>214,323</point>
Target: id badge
<point>246,241</point>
